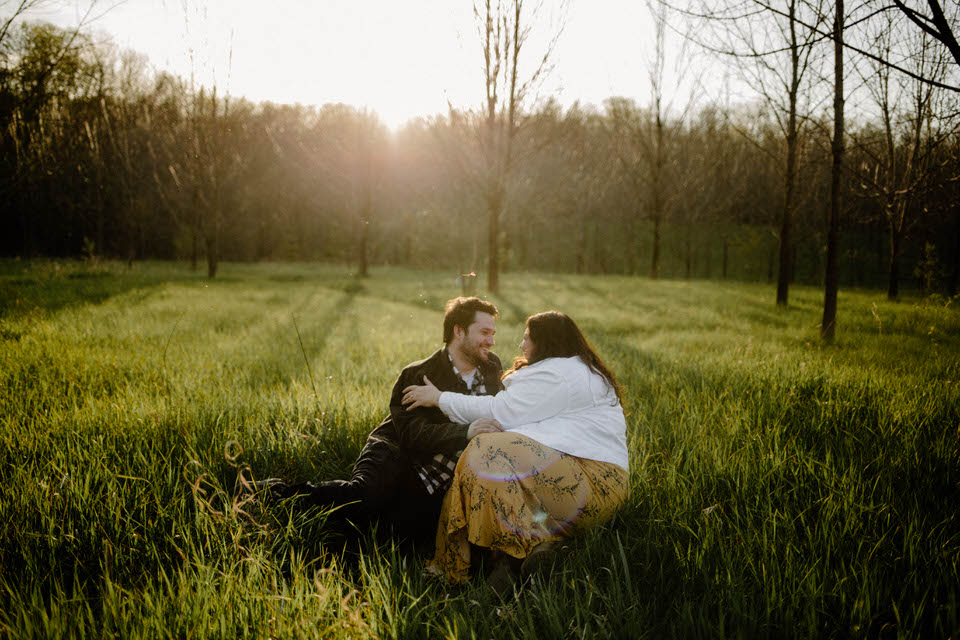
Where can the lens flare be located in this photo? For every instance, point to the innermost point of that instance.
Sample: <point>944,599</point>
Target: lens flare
<point>554,502</point>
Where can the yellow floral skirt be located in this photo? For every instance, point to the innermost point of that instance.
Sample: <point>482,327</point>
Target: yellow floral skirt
<point>511,493</point>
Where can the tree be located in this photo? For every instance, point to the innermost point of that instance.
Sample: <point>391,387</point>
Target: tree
<point>504,28</point>
<point>212,164</point>
<point>720,155</point>
<point>831,283</point>
<point>51,72</point>
<point>355,156</point>
<point>129,124</point>
<point>775,50</point>
<point>586,153</point>
<point>900,153</point>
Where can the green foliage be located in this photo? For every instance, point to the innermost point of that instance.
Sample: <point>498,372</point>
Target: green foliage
<point>779,488</point>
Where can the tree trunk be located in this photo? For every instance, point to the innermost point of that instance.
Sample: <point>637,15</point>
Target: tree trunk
<point>494,205</point>
<point>508,259</point>
<point>408,241</point>
<point>955,274</point>
<point>131,248</point>
<point>362,264</point>
<point>726,256</point>
<point>784,273</point>
<point>196,228</point>
<point>582,246</point>
<point>212,258</point>
<point>708,257</point>
<point>688,256</point>
<point>131,232</point>
<point>786,239</point>
<point>922,273</point>
<point>212,237</point>
<point>261,251</point>
<point>101,213</point>
<point>831,284</point>
<point>655,262</point>
<point>363,241</point>
<point>658,204</point>
<point>599,261</point>
<point>893,285</point>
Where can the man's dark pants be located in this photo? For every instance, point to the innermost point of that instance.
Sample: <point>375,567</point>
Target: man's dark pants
<point>384,488</point>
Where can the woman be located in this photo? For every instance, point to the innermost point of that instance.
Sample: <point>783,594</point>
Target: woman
<point>559,465</point>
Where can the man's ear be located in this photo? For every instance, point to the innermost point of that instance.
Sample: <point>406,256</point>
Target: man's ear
<point>458,331</point>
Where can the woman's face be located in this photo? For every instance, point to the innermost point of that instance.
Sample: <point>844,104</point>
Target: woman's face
<point>526,345</point>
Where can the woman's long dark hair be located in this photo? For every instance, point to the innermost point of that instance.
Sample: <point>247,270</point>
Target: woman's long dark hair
<point>556,335</point>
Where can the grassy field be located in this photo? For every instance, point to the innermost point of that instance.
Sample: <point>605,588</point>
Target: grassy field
<point>779,488</point>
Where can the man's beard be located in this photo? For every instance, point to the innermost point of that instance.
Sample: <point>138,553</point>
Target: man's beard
<point>472,353</point>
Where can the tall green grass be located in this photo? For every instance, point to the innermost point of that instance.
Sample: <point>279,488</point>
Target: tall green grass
<point>780,488</point>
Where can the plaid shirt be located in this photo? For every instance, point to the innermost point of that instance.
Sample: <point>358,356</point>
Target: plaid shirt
<point>438,472</point>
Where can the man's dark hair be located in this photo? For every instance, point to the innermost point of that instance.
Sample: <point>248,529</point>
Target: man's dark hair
<point>460,312</point>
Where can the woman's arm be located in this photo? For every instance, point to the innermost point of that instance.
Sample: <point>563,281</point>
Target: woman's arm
<point>533,395</point>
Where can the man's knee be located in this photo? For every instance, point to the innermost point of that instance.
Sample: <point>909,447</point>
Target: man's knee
<point>378,469</point>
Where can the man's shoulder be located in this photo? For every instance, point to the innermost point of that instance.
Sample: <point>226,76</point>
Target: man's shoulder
<point>434,365</point>
<point>437,357</point>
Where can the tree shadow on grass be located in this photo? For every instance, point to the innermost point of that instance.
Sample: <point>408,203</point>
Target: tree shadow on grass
<point>52,289</point>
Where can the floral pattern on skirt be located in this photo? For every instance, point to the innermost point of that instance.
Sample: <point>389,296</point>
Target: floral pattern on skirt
<point>510,493</point>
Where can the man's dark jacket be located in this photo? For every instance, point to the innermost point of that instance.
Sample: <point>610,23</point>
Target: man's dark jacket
<point>426,431</point>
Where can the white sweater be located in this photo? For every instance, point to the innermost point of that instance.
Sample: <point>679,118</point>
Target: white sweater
<point>559,402</point>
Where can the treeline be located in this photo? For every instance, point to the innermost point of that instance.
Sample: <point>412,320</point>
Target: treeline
<point>102,157</point>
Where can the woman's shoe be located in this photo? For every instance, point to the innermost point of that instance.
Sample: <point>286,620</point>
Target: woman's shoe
<point>541,559</point>
<point>503,576</point>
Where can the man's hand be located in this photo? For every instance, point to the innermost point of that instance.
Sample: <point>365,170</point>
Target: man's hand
<point>483,425</point>
<point>421,396</point>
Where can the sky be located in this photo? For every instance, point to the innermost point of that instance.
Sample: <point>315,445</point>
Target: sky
<point>402,58</point>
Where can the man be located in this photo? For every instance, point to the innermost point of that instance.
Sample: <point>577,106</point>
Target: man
<point>407,463</point>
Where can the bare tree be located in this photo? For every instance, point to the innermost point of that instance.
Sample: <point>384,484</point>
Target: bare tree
<point>952,170</point>
<point>504,27</point>
<point>774,50</point>
<point>355,158</point>
<point>212,166</point>
<point>721,164</point>
<point>901,151</point>
<point>831,282</point>
<point>628,131</point>
<point>586,153</point>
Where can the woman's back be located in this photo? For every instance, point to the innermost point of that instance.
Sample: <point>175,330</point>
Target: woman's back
<point>559,402</point>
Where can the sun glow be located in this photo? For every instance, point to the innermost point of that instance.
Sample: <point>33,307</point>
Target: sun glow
<point>401,59</point>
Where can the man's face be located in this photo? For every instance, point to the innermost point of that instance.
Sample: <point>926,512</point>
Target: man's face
<point>477,340</point>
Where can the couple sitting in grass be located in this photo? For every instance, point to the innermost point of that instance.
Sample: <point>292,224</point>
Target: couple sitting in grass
<point>502,465</point>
